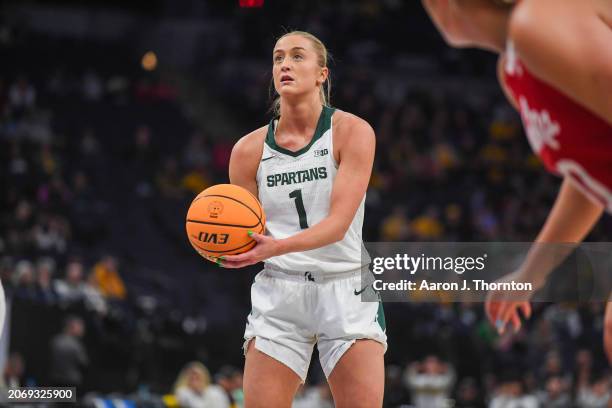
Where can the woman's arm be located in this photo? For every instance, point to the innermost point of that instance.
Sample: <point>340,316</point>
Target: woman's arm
<point>350,185</point>
<point>570,220</point>
<point>245,159</point>
<point>471,23</point>
<point>569,45</point>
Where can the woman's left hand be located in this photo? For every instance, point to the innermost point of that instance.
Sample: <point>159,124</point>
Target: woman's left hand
<point>265,248</point>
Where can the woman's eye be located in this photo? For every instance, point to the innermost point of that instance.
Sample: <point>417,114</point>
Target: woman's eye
<point>298,57</point>
<point>278,58</point>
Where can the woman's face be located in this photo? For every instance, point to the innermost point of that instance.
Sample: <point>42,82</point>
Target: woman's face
<point>296,69</point>
<point>195,381</point>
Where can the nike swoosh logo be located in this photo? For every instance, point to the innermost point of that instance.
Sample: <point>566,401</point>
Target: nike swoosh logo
<point>268,158</point>
<point>357,293</point>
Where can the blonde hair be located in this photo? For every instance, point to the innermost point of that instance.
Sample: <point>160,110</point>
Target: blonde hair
<point>323,57</point>
<point>183,377</point>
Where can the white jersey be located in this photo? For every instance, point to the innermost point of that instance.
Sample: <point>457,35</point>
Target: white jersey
<point>295,191</point>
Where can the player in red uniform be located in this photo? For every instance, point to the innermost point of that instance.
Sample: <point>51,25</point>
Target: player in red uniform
<point>555,66</point>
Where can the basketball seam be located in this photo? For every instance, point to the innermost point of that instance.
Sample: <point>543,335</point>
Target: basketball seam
<point>238,201</point>
<point>224,225</point>
<point>257,200</point>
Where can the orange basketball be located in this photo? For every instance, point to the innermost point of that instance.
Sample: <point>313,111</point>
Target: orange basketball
<point>219,219</point>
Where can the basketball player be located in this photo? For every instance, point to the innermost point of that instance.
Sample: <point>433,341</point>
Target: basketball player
<point>556,68</point>
<point>310,168</point>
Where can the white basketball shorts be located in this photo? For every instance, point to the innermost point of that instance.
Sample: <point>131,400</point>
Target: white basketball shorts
<point>293,311</point>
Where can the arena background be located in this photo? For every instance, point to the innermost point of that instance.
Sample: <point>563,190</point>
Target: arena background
<point>113,116</point>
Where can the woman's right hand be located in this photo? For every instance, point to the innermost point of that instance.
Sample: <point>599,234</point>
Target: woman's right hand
<point>502,307</point>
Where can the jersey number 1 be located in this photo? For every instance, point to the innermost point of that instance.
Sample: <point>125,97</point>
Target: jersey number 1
<point>299,205</point>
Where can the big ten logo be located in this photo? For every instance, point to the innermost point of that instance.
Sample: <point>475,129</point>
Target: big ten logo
<point>215,209</point>
<point>322,152</point>
<point>213,237</point>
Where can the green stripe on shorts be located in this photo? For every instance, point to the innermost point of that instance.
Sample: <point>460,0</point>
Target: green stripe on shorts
<point>380,317</point>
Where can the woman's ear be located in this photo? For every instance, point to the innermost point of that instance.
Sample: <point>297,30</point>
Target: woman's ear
<point>323,76</point>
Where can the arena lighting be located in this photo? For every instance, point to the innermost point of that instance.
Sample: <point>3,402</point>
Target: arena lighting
<point>149,61</point>
<point>251,3</point>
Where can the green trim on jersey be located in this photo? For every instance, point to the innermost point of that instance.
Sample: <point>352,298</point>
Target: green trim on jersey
<point>323,125</point>
<point>380,317</point>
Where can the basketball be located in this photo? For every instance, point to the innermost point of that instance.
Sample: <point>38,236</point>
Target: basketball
<point>219,219</point>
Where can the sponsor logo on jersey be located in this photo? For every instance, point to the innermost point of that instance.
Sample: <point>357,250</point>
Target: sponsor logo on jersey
<point>295,177</point>
<point>512,63</point>
<point>541,129</point>
<point>320,153</point>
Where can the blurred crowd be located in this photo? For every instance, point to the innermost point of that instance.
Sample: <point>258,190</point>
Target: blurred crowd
<point>99,165</point>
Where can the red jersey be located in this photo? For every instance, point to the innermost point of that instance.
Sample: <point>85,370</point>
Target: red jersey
<point>571,141</point>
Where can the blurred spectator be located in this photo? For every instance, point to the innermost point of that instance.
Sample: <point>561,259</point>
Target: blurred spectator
<point>93,297</point>
<point>468,394</point>
<point>395,226</point>
<point>596,395</point>
<point>169,180</point>
<point>430,382</point>
<point>230,379</point>
<point>427,226</point>
<point>510,394</point>
<point>68,355</point>
<point>556,394</point>
<point>51,235</point>
<point>108,280</point>
<point>553,367</point>
<point>25,283</point>
<point>45,292</point>
<point>71,289</point>
<point>19,238</point>
<point>194,390</point>
<point>196,180</point>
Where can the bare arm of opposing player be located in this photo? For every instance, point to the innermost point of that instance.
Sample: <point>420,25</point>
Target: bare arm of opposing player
<point>565,43</point>
<point>355,143</point>
<point>570,220</point>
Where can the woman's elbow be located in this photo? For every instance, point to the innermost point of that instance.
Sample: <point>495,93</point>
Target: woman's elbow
<point>339,232</point>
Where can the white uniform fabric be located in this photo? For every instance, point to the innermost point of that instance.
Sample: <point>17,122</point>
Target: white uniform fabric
<point>295,192</point>
<point>313,297</point>
<point>293,311</point>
